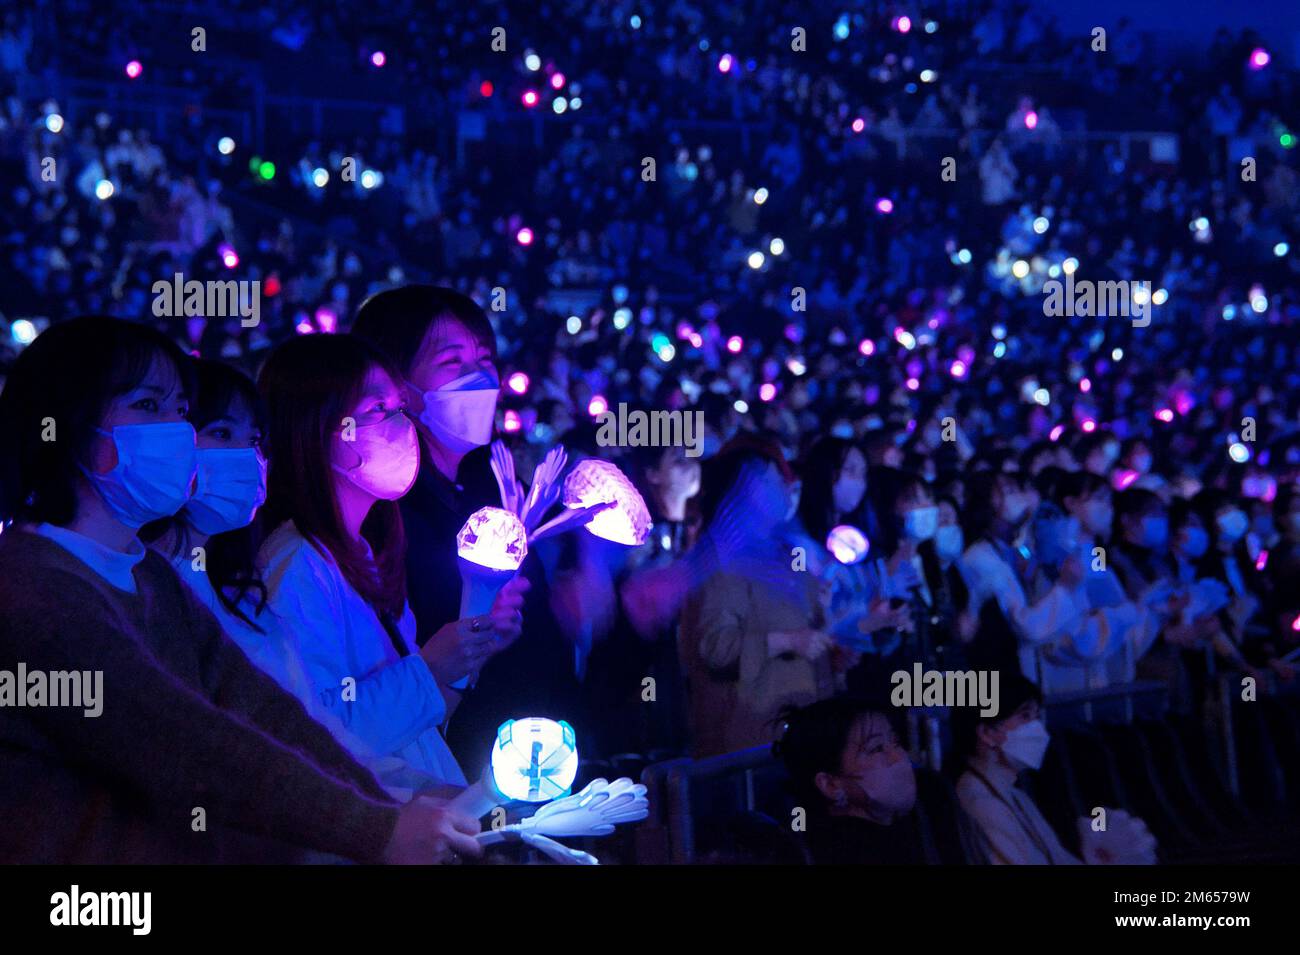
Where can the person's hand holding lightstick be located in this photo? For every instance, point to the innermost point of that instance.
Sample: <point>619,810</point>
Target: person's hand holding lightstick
<point>461,647</point>
<point>429,831</point>
<point>490,548</point>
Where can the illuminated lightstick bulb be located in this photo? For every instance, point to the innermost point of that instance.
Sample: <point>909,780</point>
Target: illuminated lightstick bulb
<point>489,548</point>
<point>533,760</point>
<point>593,481</point>
<point>847,544</point>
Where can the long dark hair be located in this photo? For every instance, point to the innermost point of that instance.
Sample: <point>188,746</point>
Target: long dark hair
<point>309,384</point>
<point>65,380</point>
<point>822,462</point>
<point>231,556</point>
<point>396,321</point>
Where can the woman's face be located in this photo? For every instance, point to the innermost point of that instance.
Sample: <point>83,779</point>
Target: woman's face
<point>449,351</point>
<point>158,399</point>
<point>233,429</point>
<point>875,771</point>
<point>380,398</point>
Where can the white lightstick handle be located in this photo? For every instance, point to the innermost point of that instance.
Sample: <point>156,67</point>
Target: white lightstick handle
<point>479,589</point>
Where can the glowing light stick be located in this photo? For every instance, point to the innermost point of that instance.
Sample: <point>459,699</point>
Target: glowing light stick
<point>593,481</point>
<point>489,549</point>
<point>847,544</point>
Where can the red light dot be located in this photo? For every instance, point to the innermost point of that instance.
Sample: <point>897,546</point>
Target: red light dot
<point>485,88</point>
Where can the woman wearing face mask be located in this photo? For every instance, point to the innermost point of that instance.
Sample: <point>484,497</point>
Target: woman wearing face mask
<point>752,637</point>
<point>999,569</point>
<point>845,765</point>
<point>443,347</point>
<point>183,710</point>
<point>344,452</point>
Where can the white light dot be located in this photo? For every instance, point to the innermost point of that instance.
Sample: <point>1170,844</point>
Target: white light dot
<point>760,195</point>
<point>776,246</point>
<point>1041,225</point>
<point>532,61</point>
<point>573,325</point>
<point>756,260</point>
<point>1020,269</point>
<point>103,189</point>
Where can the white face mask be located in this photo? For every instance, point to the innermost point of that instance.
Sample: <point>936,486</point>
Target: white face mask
<point>949,542</point>
<point>231,486</point>
<point>390,457</point>
<point>460,414</point>
<point>1026,745</point>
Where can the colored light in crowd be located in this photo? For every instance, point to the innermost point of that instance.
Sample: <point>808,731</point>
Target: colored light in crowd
<point>319,177</point>
<point>593,481</point>
<point>558,105</point>
<point>658,341</point>
<point>903,24</point>
<point>327,320</point>
<point>760,195</point>
<point>841,29</point>
<point>103,189</point>
<point>697,340</point>
<point>534,759</point>
<point>1085,385</point>
<point>1056,432</point>
<point>999,349</point>
<point>517,382</point>
<point>766,391</point>
<point>225,145</point>
<point>957,369</point>
<point>667,353</point>
<point>1043,397</point>
<point>905,338</point>
<point>866,347</point>
<point>622,318</point>
<point>134,69</point>
<point>635,22</point>
<point>23,331</point>
<point>1159,296</point>
<point>529,98</point>
<point>54,123</point>
<point>511,423</point>
<point>913,384</point>
<point>494,538</point>
<point>1286,141</point>
<point>1295,624</point>
<point>377,59</point>
<point>735,343</point>
<point>1184,402</point>
<point>304,327</point>
<point>485,89</point>
<point>756,259</point>
<point>931,26</point>
<point>928,76</point>
<point>532,62</point>
<point>575,102</point>
<point>597,406</point>
<point>266,170</point>
<point>1020,268</point>
<point>1229,312</point>
<point>1259,58</point>
<point>573,324</point>
<point>725,63</point>
<point>1279,250</point>
<point>1262,560</point>
<point>557,81</point>
<point>1123,478</point>
<point>885,205</point>
<point>1041,224</point>
<point>859,125</point>
<point>524,236</point>
<point>1259,304</point>
<point>847,544</point>
<point>1089,426</point>
<point>796,366</point>
<point>272,285</point>
<point>963,256</point>
<point>1070,265</point>
<point>1239,452</point>
<point>1031,120</point>
<point>253,163</point>
<point>1117,354</point>
<point>776,246</point>
<point>229,258</point>
<point>741,406</point>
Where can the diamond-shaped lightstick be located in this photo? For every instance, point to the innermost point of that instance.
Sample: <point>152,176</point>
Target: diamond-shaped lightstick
<point>493,538</point>
<point>593,481</point>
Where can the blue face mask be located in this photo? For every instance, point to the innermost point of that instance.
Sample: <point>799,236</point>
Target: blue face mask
<point>230,487</point>
<point>1197,542</point>
<point>1155,531</point>
<point>920,523</point>
<point>949,542</point>
<point>154,472</point>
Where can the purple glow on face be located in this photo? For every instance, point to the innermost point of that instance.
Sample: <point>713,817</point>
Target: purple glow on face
<point>512,422</point>
<point>847,544</point>
<point>377,59</point>
<point>867,347</point>
<point>597,405</point>
<point>884,206</point>
<point>725,63</point>
<point>524,236</point>
<point>766,391</point>
<point>593,481</point>
<point>1056,432</point>
<point>134,69</point>
<point>1085,385</point>
<point>1031,120</point>
<point>734,344</point>
<point>1259,58</point>
<point>1165,414</point>
<point>957,369</point>
<point>517,382</point>
<point>493,537</point>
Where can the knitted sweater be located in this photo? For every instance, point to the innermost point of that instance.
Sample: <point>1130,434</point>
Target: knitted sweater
<point>187,723</point>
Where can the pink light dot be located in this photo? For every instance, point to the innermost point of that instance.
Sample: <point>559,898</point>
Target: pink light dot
<point>512,422</point>
<point>557,81</point>
<point>1259,58</point>
<point>735,343</point>
<point>1089,425</point>
<point>697,340</point>
<point>1056,432</point>
<point>327,320</point>
<point>1295,624</point>
<point>518,382</point>
<point>1031,120</point>
<point>597,405</point>
<point>903,24</point>
<point>913,384</point>
<point>304,328</point>
<point>134,69</point>
<point>859,125</point>
<point>1165,414</point>
<point>958,369</point>
<point>229,259</point>
<point>377,58</point>
<point>1262,560</point>
<point>725,63</point>
<point>867,347</point>
<point>766,391</point>
<point>524,236</point>
<point>530,98</point>
<point>1085,385</point>
<point>885,206</point>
